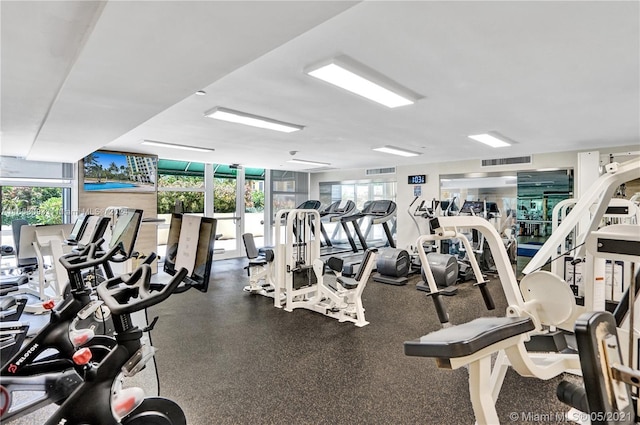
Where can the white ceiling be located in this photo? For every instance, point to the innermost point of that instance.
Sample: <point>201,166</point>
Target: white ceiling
<point>553,76</point>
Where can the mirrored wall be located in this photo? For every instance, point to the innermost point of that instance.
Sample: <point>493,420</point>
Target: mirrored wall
<point>524,202</point>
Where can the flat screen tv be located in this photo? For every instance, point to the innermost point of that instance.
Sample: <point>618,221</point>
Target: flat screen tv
<point>107,171</point>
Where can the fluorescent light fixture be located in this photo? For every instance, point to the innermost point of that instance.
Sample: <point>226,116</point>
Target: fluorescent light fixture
<point>490,140</point>
<point>230,115</point>
<point>305,162</point>
<point>34,180</point>
<point>355,77</point>
<point>397,151</point>
<point>174,146</point>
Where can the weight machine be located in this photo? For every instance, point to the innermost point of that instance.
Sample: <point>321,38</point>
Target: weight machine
<point>607,342</point>
<point>541,302</point>
<point>294,276</point>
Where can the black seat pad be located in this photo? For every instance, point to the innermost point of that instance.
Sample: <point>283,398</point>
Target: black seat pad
<point>8,282</point>
<point>7,302</point>
<point>468,338</point>
<point>347,283</point>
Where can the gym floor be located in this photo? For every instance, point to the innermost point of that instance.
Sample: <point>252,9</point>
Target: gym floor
<point>229,357</point>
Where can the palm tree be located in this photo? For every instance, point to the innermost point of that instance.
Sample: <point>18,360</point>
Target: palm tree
<point>113,170</point>
<point>91,166</point>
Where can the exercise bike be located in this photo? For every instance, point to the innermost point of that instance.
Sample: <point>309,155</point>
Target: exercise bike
<point>56,375</point>
<point>100,398</point>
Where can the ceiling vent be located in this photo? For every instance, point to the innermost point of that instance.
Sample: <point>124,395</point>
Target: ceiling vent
<point>378,171</point>
<point>507,161</point>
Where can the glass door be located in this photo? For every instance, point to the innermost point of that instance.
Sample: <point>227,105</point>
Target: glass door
<point>226,211</point>
<point>254,197</point>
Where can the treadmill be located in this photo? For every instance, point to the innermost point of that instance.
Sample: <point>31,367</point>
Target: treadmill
<point>382,212</point>
<point>334,214</point>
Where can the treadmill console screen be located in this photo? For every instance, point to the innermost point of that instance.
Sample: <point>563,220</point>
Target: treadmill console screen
<point>380,207</point>
<point>476,207</point>
<point>309,205</point>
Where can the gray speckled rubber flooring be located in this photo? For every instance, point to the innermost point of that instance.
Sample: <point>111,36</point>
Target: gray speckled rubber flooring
<point>229,357</point>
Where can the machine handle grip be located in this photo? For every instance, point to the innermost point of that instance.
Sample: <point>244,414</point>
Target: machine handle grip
<point>441,309</point>
<point>414,201</point>
<point>486,295</point>
<point>573,395</point>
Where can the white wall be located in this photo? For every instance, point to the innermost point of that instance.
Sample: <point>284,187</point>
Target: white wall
<point>406,230</point>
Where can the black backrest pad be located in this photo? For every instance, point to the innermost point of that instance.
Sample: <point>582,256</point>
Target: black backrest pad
<point>335,263</point>
<point>250,246</point>
<point>15,227</point>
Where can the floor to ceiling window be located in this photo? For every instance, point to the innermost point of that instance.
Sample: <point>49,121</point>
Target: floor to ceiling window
<point>236,195</point>
<point>38,192</point>
<point>360,193</point>
<point>35,204</point>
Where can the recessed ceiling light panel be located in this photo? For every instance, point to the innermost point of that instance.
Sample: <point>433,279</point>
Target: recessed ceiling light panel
<point>305,162</point>
<point>397,151</point>
<point>230,115</point>
<point>357,78</point>
<point>174,146</point>
<point>490,140</point>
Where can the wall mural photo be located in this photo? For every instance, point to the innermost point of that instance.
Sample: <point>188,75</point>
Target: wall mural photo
<point>120,172</point>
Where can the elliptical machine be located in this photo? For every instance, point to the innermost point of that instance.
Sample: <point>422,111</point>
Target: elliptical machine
<point>444,265</point>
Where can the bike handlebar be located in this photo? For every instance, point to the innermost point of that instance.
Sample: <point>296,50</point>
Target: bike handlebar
<point>87,257</point>
<point>117,293</point>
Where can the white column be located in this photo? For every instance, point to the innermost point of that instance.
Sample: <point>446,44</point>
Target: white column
<point>208,190</point>
<point>268,209</point>
<point>587,172</point>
